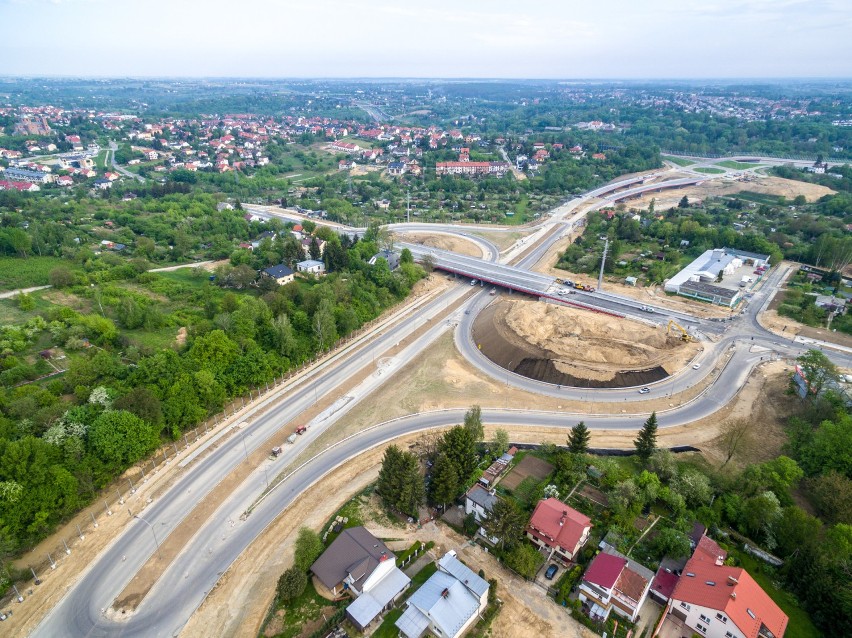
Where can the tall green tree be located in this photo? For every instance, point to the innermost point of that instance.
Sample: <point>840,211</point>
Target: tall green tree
<point>578,440</point>
<point>500,442</point>
<point>308,548</point>
<point>505,522</point>
<point>646,442</point>
<point>459,446</point>
<point>818,370</point>
<point>444,486</point>
<point>120,438</point>
<point>473,423</point>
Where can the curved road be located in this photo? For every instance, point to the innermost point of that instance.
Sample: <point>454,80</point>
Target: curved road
<point>84,611</point>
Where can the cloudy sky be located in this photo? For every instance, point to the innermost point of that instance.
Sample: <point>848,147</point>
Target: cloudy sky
<point>435,38</point>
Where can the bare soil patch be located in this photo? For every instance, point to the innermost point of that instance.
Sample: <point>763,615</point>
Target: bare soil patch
<point>767,185</point>
<point>529,466</point>
<point>575,347</point>
<point>453,243</point>
<point>180,338</point>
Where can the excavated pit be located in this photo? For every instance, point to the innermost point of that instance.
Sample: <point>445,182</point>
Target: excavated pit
<point>572,347</point>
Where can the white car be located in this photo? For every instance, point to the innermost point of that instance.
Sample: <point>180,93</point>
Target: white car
<point>473,282</point>
<point>696,366</point>
<point>644,390</point>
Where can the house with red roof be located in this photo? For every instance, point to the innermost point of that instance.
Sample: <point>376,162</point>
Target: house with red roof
<point>718,601</point>
<point>614,583</point>
<point>559,529</point>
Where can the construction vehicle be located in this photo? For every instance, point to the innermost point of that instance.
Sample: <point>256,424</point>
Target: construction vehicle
<point>684,335</point>
<point>276,452</point>
<point>301,429</point>
<point>584,287</point>
<point>559,281</point>
<point>291,439</point>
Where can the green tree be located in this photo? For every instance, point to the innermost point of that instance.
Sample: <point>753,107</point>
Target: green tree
<point>578,440</point>
<point>459,446</point>
<point>307,549</point>
<point>505,522</point>
<point>444,486</point>
<point>525,560</point>
<point>793,528</point>
<point>405,257</point>
<point>292,584</point>
<point>60,277</point>
<point>830,448</point>
<point>400,485</point>
<point>818,371</point>
<point>673,543</point>
<point>143,403</point>
<point>120,438</point>
<point>646,442</point>
<point>500,442</point>
<point>25,302</point>
<point>759,513</point>
<point>473,423</point>
<point>831,495</point>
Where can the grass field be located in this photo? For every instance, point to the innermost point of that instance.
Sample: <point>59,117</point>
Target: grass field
<point>738,166</point>
<point>708,169</point>
<point>25,273</point>
<point>680,161</point>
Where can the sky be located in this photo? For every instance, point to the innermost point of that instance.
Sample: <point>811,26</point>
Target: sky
<point>436,38</point>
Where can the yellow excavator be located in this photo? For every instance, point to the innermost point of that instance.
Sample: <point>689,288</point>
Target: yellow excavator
<point>684,335</point>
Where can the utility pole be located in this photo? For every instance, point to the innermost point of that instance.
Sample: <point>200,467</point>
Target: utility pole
<point>603,262</point>
<point>408,207</point>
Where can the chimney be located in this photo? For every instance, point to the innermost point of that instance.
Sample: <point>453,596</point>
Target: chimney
<point>445,593</point>
<point>564,516</point>
<point>734,595</point>
<point>732,581</point>
<point>383,557</point>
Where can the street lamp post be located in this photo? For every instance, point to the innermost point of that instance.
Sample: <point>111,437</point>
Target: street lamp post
<point>156,542</point>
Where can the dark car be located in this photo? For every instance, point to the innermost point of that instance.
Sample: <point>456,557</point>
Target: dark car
<point>551,572</point>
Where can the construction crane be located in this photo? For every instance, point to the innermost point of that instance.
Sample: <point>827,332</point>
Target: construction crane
<point>685,336</point>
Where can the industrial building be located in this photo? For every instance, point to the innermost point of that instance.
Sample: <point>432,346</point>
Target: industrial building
<point>719,276</point>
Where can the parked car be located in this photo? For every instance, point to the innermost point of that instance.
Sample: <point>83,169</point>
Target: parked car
<point>644,390</point>
<point>551,572</point>
<point>695,366</point>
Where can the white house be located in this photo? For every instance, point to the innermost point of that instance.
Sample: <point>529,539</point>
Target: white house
<point>281,274</point>
<point>447,604</point>
<point>313,266</point>
<point>718,601</point>
<point>378,593</point>
<point>479,501</point>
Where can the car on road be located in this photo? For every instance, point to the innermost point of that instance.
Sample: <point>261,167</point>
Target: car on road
<point>473,282</point>
<point>644,390</point>
<point>646,308</point>
<point>551,572</point>
<point>695,366</point>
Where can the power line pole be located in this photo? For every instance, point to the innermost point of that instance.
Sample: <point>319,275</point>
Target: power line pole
<point>408,207</point>
<point>603,261</point>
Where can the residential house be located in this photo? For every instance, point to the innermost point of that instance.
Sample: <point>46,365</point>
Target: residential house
<point>23,187</point>
<point>559,529</point>
<point>306,246</point>
<point>64,180</point>
<point>709,598</point>
<point>479,501</point>
<point>313,266</point>
<point>718,601</point>
<point>102,184</point>
<point>616,583</point>
<point>396,168</point>
<point>281,274</point>
<point>447,604</point>
<point>391,257</point>
<point>25,175</point>
<point>359,563</point>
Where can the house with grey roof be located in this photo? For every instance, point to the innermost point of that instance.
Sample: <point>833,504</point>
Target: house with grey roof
<point>447,604</point>
<point>360,564</point>
<point>281,273</point>
<point>389,256</point>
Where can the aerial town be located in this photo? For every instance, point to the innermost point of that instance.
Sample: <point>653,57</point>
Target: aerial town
<point>303,341</point>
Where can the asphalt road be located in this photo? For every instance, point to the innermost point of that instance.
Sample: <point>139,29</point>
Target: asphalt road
<point>84,611</point>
